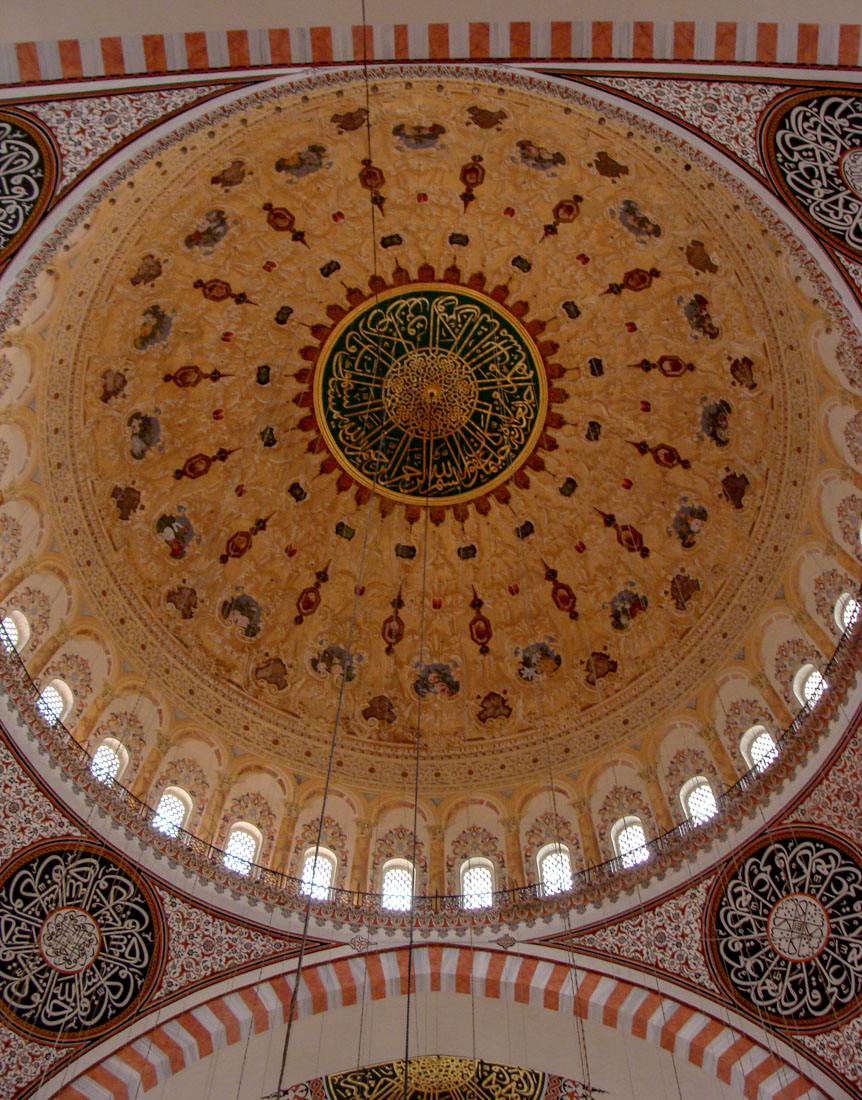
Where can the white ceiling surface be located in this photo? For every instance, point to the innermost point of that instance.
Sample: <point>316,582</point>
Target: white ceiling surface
<point>58,19</point>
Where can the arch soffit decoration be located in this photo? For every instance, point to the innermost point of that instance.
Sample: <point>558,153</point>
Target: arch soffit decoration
<point>721,1051</point>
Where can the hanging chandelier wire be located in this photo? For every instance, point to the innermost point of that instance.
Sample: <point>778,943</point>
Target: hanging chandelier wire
<point>292,1011</point>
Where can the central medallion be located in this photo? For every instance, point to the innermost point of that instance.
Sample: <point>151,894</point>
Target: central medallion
<point>430,394</point>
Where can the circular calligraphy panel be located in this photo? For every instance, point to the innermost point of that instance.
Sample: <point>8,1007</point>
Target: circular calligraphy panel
<point>69,940</point>
<point>810,145</point>
<point>27,175</point>
<point>785,929</point>
<point>431,394</point>
<point>81,947</point>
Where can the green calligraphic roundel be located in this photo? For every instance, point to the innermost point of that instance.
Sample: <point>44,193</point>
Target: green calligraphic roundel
<point>432,394</point>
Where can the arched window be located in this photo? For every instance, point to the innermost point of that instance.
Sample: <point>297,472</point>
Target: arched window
<point>477,882</point>
<point>14,631</point>
<point>172,812</point>
<point>397,884</point>
<point>555,868</point>
<point>243,844</point>
<point>698,799</point>
<point>109,760</point>
<point>846,611</point>
<point>55,701</point>
<point>808,685</point>
<point>318,873</point>
<point>758,748</point>
<point>629,840</point>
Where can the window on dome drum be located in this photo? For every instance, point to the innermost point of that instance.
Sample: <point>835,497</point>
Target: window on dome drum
<point>318,874</point>
<point>397,886</point>
<point>758,748</point>
<point>55,701</point>
<point>240,850</point>
<point>698,800</point>
<point>629,840</point>
<point>846,611</point>
<point>172,811</point>
<point>809,685</point>
<point>106,762</point>
<point>555,869</point>
<point>477,883</point>
<point>14,631</point>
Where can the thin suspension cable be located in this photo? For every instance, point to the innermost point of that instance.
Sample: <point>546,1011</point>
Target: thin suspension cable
<point>349,647</point>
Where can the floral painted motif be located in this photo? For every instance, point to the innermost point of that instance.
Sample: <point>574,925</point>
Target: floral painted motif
<point>332,836</point>
<point>536,156</point>
<point>333,660</point>
<point>698,316</point>
<point>853,437</point>
<point>715,422</point>
<point>537,660</point>
<point>789,658</point>
<point>850,364</point>
<point>202,944</point>
<point>625,606</point>
<point>155,328</point>
<point>687,523</point>
<point>474,841</point>
<point>253,808</point>
<point>244,613</point>
<point>635,222</point>
<point>189,775</point>
<point>35,606</point>
<point>397,843</point>
<point>418,136</point>
<point>436,679</point>
<point>659,937</point>
<point>211,229</point>
<point>828,589</point>
<point>303,162</point>
<point>850,522</point>
<point>177,531</point>
<point>4,456</point>
<point>128,729</point>
<point>619,802</point>
<point>144,433</point>
<point>684,765</point>
<point>10,540</point>
<point>550,828</point>
<point>6,373</point>
<point>89,127</point>
<point>74,670</point>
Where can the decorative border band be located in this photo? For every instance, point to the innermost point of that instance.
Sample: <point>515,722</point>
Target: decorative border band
<point>809,44</point>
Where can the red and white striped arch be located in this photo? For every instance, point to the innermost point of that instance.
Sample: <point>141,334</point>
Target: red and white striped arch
<point>720,1050</point>
<point>825,45</point>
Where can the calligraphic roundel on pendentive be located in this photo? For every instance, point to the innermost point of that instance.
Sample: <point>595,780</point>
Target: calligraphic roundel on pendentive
<point>811,145</point>
<point>28,173</point>
<point>81,941</point>
<point>784,929</point>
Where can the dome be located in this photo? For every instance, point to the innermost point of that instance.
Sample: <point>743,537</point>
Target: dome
<point>429,570</point>
<point>504,447</point>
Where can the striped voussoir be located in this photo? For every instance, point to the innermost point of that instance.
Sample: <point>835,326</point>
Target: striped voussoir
<point>806,44</point>
<point>724,1053</point>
